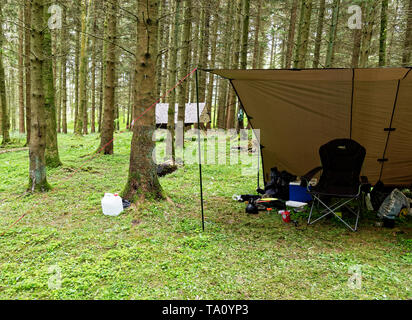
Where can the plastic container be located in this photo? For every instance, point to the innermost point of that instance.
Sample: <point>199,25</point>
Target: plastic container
<point>112,204</point>
<point>298,193</point>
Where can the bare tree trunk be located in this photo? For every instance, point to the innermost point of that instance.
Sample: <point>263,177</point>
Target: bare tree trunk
<point>106,138</point>
<point>332,33</point>
<point>357,38</point>
<point>102,77</point>
<point>76,81</point>
<point>143,181</point>
<point>184,69</point>
<point>221,114</point>
<point>407,48</point>
<point>209,97</point>
<point>255,57</point>
<point>303,34</point>
<point>230,122</point>
<point>52,150</point>
<point>81,126</point>
<point>392,33</point>
<point>160,35</point>
<point>53,36</point>
<point>245,33</point>
<point>93,71</point>
<point>174,43</point>
<point>367,32</point>
<point>63,45</point>
<point>22,128</point>
<point>291,34</point>
<point>5,121</point>
<point>383,33</point>
<point>319,32</point>
<point>204,49</point>
<point>37,173</point>
<point>27,36</point>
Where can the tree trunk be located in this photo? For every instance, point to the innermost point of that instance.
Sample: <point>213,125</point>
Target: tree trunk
<point>52,151</point>
<point>194,49</point>
<point>22,128</point>
<point>37,173</point>
<point>319,32</point>
<point>255,57</point>
<point>357,38</point>
<point>143,181</point>
<point>204,50</point>
<point>160,35</point>
<point>76,81</point>
<point>291,34</point>
<point>27,40</point>
<point>184,69</point>
<point>209,97</point>
<point>230,121</point>
<point>245,34</point>
<point>63,46</point>
<point>383,33</point>
<point>303,35</point>
<point>367,32</point>
<point>93,71</point>
<point>53,36</point>
<point>332,34</point>
<point>221,114</point>
<point>106,138</point>
<point>81,125</point>
<point>174,43</point>
<point>392,33</point>
<point>5,121</point>
<point>103,50</point>
<point>407,48</point>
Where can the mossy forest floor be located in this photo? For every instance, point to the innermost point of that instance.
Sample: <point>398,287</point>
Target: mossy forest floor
<point>157,250</point>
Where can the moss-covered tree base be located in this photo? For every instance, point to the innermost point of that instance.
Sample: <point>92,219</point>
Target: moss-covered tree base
<point>138,188</point>
<point>39,187</point>
<point>53,162</point>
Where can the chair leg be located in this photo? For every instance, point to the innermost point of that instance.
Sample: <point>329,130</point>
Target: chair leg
<point>331,210</point>
<point>311,209</point>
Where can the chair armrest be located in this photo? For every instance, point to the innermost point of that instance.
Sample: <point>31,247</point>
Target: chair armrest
<point>305,179</point>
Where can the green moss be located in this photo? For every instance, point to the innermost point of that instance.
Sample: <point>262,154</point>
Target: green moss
<point>43,187</point>
<point>53,162</point>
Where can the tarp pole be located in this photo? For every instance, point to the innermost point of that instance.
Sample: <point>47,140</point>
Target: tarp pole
<point>258,166</point>
<point>389,130</point>
<point>351,102</point>
<point>200,153</point>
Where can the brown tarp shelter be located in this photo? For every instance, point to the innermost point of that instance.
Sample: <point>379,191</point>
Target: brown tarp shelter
<point>297,111</point>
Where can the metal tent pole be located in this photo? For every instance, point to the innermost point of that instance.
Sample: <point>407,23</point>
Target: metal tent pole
<point>199,147</point>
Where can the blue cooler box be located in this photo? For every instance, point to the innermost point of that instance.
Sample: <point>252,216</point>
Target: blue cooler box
<point>298,193</point>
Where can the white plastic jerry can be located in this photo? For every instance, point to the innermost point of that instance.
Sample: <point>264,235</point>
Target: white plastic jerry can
<point>112,204</point>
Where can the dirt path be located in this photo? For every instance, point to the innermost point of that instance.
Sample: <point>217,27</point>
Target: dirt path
<point>13,150</point>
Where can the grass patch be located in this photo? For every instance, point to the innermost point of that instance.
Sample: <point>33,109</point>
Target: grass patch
<point>156,250</point>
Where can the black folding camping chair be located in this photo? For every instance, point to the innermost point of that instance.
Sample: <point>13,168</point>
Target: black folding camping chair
<point>342,161</point>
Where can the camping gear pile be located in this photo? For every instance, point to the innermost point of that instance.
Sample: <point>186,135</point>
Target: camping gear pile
<point>391,204</point>
<point>274,196</point>
<point>299,110</point>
